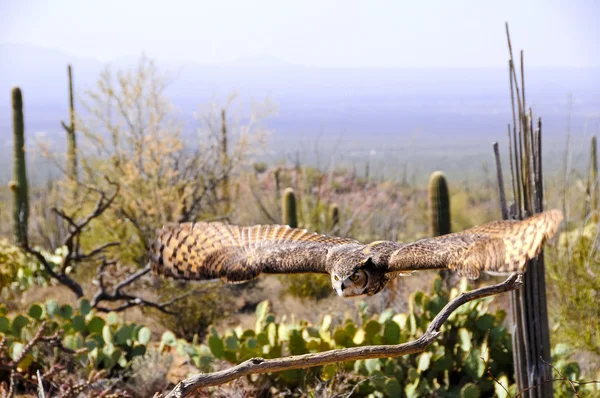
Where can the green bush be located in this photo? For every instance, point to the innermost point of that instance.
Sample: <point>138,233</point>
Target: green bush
<point>574,283</point>
<point>199,310</point>
<point>306,286</point>
<point>567,368</point>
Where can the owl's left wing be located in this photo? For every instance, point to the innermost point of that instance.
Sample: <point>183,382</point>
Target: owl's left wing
<point>235,254</point>
<point>499,247</point>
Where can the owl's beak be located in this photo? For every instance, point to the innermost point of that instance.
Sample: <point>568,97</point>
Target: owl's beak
<point>340,289</point>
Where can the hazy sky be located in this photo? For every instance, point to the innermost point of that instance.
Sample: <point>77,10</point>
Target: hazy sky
<point>319,33</point>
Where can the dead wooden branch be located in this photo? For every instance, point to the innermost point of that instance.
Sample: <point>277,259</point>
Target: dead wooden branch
<point>74,255</point>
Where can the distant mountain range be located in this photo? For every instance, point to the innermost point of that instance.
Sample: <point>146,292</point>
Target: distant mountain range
<point>418,115</point>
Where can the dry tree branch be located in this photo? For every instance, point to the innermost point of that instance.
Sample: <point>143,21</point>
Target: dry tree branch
<point>94,252</point>
<point>75,229</point>
<point>128,300</point>
<point>260,365</point>
<point>261,206</point>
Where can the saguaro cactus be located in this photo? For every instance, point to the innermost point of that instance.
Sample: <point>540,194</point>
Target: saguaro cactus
<point>334,216</point>
<point>439,205</point>
<point>70,129</point>
<point>19,183</point>
<point>288,208</point>
<point>277,176</point>
<point>225,162</point>
<point>593,181</point>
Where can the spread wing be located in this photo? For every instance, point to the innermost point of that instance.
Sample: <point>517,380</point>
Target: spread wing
<point>498,247</point>
<point>236,254</point>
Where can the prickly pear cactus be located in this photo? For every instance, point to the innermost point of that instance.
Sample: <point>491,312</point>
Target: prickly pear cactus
<point>98,343</point>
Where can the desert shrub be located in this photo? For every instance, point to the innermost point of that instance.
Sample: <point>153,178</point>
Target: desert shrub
<point>565,366</point>
<point>574,283</point>
<point>19,271</point>
<point>195,313</point>
<point>260,167</point>
<point>306,286</point>
<point>134,136</point>
<point>148,373</point>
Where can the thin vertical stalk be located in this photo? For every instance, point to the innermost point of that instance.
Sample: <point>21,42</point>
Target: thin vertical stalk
<point>512,169</point>
<point>517,156</point>
<point>503,205</point>
<point>523,79</point>
<point>540,174</point>
<point>593,181</point>
<point>225,163</point>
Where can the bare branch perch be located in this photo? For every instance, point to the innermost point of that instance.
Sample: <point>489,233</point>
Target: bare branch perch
<point>260,365</point>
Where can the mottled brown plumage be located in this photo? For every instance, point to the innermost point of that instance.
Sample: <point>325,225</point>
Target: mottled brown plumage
<point>237,254</point>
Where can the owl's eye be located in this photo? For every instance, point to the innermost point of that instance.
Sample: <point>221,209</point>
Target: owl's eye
<point>336,278</point>
<point>354,277</point>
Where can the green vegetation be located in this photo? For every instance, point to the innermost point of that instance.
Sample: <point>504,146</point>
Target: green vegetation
<point>573,269</point>
<point>574,272</point>
<point>20,271</point>
<point>108,343</point>
<point>77,338</point>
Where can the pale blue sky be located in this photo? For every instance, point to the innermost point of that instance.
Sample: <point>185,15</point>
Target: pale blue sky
<point>319,33</point>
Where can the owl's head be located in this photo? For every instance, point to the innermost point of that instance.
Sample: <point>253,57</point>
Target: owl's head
<point>354,273</point>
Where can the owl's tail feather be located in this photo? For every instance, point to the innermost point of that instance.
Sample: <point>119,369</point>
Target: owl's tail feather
<point>511,244</point>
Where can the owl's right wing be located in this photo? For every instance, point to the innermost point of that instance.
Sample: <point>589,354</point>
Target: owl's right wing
<point>498,247</point>
<point>204,251</point>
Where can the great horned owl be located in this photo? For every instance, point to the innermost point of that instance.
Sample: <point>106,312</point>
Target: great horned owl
<point>237,254</point>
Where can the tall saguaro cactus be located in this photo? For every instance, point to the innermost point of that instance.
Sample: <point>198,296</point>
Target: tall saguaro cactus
<point>439,204</point>
<point>70,129</point>
<point>288,208</point>
<point>593,181</point>
<point>334,216</point>
<point>19,183</point>
<point>225,162</point>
